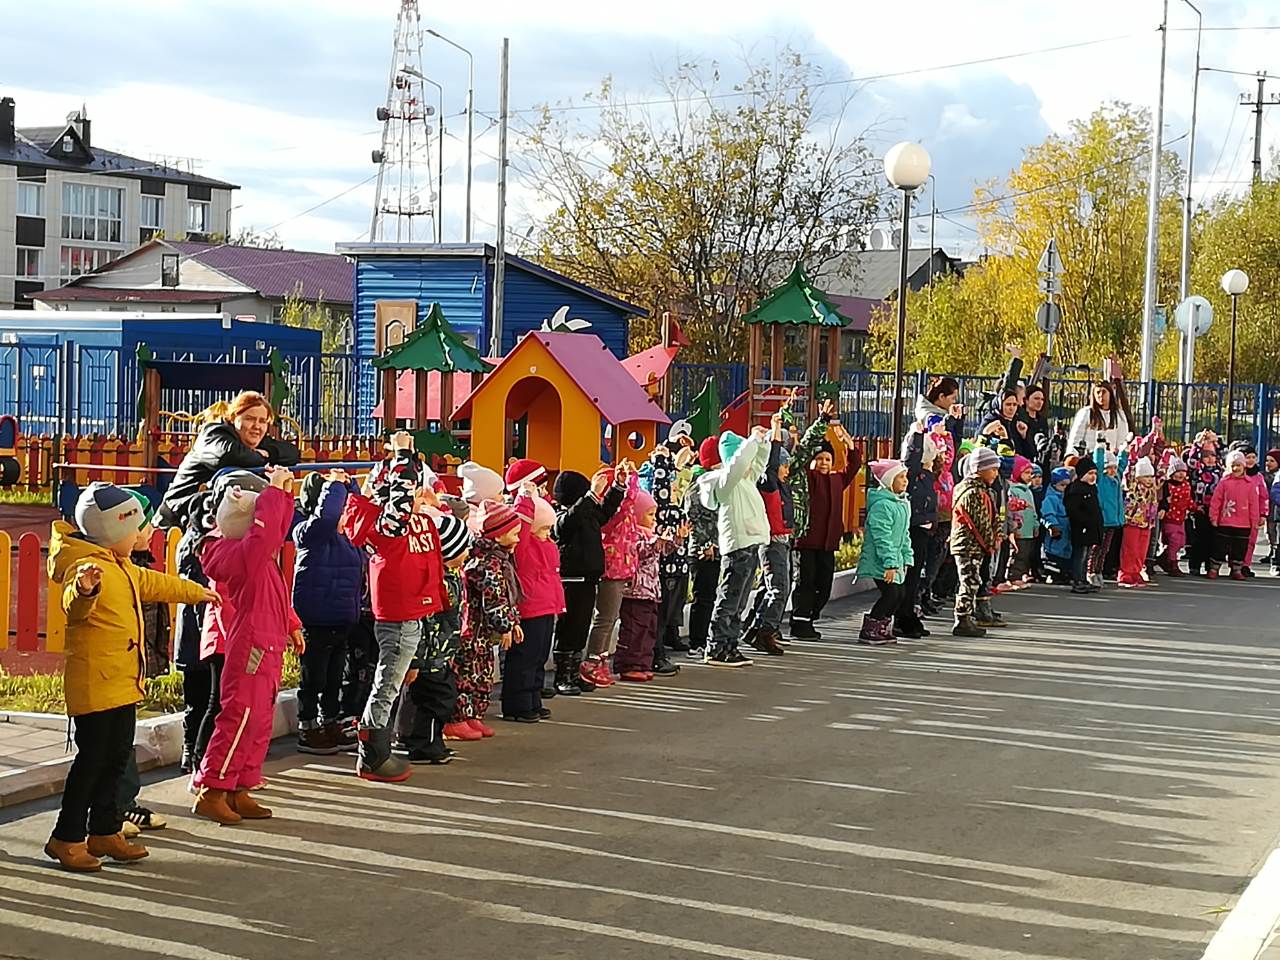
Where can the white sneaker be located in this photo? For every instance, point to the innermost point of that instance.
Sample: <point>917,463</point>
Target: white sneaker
<point>697,653</point>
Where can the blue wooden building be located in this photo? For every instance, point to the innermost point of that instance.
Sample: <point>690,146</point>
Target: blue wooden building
<point>396,283</point>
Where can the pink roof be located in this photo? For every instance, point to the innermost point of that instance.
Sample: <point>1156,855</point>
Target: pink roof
<point>405,390</point>
<point>651,364</point>
<point>596,372</point>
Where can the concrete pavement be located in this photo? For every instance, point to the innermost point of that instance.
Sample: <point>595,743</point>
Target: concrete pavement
<point>1097,782</point>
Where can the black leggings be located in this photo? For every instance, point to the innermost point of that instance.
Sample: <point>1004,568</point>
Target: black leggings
<point>196,682</point>
<point>574,624</point>
<point>215,662</point>
<point>890,600</point>
<point>1233,545</point>
<point>104,747</point>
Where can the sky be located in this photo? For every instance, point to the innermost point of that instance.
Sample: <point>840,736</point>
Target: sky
<point>279,97</point>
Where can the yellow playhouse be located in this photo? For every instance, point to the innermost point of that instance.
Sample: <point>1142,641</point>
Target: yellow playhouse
<point>568,399</point>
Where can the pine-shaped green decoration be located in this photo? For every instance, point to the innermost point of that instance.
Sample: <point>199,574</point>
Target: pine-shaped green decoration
<point>440,443</point>
<point>704,412</point>
<point>279,379</point>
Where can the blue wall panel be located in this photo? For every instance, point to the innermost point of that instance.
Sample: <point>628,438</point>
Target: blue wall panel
<point>530,299</point>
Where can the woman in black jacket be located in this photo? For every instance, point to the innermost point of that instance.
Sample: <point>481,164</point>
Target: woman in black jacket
<point>1032,428</point>
<point>235,437</point>
<point>1084,513</point>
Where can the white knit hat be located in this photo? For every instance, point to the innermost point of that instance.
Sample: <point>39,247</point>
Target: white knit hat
<point>235,512</point>
<point>107,515</point>
<point>1143,468</point>
<point>479,483</point>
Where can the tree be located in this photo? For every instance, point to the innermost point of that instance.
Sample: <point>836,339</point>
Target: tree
<point>700,204</point>
<point>1088,190</point>
<point>252,237</point>
<point>317,315</point>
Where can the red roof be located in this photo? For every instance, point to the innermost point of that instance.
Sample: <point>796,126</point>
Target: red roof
<point>650,365</point>
<point>405,392</point>
<point>596,372</point>
<point>859,310</point>
<point>117,295</point>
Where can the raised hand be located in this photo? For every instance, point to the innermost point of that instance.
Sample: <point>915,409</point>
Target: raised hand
<point>400,441</point>
<point>88,579</point>
<point>280,477</point>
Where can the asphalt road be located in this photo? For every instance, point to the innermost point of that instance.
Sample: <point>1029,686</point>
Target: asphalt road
<point>1097,781</point>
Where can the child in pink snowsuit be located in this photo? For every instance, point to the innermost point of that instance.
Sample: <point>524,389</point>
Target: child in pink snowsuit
<point>244,559</point>
<point>619,535</point>
<point>1234,512</point>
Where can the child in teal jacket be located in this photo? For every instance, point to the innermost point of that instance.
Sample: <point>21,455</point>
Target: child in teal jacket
<point>1028,520</point>
<point>1111,498</point>
<point>886,548</point>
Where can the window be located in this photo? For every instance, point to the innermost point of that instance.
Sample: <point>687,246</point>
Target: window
<point>30,261</point>
<point>169,270</point>
<point>30,199</point>
<point>152,212</point>
<point>91,213</point>
<point>80,260</point>
<point>197,216</point>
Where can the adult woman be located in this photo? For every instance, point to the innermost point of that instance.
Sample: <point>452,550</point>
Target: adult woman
<point>942,400</point>
<point>235,435</point>
<point>1032,426</point>
<point>1004,411</point>
<point>1103,416</point>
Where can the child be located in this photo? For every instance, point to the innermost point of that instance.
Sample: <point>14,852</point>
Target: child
<point>638,616</point>
<point>975,535</point>
<point>243,557</point>
<point>665,476</point>
<point>823,518</point>
<point>1176,504</point>
<point>584,507</point>
<point>938,559</point>
<point>431,693</point>
<point>1253,471</point>
<point>1111,467</point>
<point>1029,520</point>
<point>741,527</point>
<point>406,585</point>
<point>765,634</point>
<point>1271,474</point>
<point>886,548</point>
<point>919,454</point>
<point>196,676</point>
<point>537,563</point>
<point>328,583</point>
<point>1141,506</point>
<point>1205,472</point>
<point>492,613</point>
<point>1053,518</point>
<point>101,592</point>
<point>619,538</point>
<point>1084,515</point>
<point>704,552</point>
<point>1234,511</point>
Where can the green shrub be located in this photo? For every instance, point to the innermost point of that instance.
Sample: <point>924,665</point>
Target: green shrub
<point>849,552</point>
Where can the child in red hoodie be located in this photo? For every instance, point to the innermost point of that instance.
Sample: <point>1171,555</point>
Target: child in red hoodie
<point>538,570</point>
<point>1234,512</point>
<point>406,585</point>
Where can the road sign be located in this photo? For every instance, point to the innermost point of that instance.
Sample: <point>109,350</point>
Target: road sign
<point>1050,284</point>
<point>1195,308</point>
<point>1050,262</point>
<point>1048,317</point>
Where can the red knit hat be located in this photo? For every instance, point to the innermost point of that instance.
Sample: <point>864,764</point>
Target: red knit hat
<point>709,453</point>
<point>522,470</point>
<point>495,519</point>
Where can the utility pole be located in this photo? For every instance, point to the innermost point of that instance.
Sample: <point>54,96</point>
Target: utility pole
<point>500,244</point>
<point>1153,216</point>
<point>1257,104</point>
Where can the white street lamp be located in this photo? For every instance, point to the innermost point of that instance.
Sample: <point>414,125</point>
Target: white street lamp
<point>1234,283</point>
<point>471,113</point>
<point>906,167</point>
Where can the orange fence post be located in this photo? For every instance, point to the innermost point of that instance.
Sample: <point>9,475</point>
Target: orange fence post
<point>55,619</point>
<point>30,573</point>
<point>6,583</point>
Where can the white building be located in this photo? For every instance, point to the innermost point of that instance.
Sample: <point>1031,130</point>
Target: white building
<point>68,207</point>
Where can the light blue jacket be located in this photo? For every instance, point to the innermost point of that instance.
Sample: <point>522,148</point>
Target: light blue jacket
<point>1054,514</point>
<point>887,543</point>
<point>1030,520</point>
<point>1110,494</point>
<point>731,490</point>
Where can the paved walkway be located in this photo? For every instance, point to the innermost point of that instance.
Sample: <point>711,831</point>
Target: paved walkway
<point>27,755</point>
<point>1095,783</point>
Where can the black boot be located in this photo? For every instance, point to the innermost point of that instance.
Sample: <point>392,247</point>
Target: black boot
<point>567,675</point>
<point>188,754</point>
<point>582,683</point>
<point>376,760</point>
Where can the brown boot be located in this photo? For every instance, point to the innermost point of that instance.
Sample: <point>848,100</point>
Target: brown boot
<point>212,805</point>
<point>115,846</point>
<point>242,802</point>
<point>72,856</point>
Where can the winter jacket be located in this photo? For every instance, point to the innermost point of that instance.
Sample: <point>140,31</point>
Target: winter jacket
<point>944,483</point>
<point>802,455</point>
<point>975,519</point>
<point>1176,501</point>
<point>328,577</point>
<point>955,425</point>
<point>406,574</point>
<point>704,539</point>
<point>1264,491</point>
<point>778,504</point>
<point>1273,508</point>
<point>155,624</point>
<point>922,491</point>
<point>538,568</point>
<point>1037,441</point>
<point>216,447</point>
<point>1110,494</point>
<point>1204,479</point>
<point>731,489</point>
<point>1235,503</point>
<point>1141,505</point>
<point>619,535</point>
<point>647,583</point>
<point>1084,513</point>
<point>668,484</point>
<point>492,590</point>
<point>1053,513</point>
<point>1029,519</point>
<point>1082,435</point>
<point>887,542</point>
<point>186,640</point>
<point>248,570</point>
<point>439,640</point>
<point>825,526</point>
<point>579,519</point>
<point>104,662</point>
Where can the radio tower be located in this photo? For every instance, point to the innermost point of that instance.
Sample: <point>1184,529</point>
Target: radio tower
<point>403,197</point>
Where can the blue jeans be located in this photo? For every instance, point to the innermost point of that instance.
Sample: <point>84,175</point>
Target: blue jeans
<point>775,583</point>
<point>397,646</point>
<point>737,570</point>
<point>1080,554</point>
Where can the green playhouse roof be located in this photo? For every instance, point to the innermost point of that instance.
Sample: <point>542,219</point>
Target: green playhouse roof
<point>798,302</point>
<point>433,345</point>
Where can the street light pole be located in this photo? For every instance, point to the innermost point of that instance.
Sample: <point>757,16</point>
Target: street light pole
<point>1234,284</point>
<point>1153,216</point>
<point>906,167</point>
<point>440,163</point>
<point>1184,275</point>
<point>471,114</point>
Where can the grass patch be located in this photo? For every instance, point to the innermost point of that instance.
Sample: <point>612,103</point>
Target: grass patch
<point>42,692</point>
<point>25,498</point>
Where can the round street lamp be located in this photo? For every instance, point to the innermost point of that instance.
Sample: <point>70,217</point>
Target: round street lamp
<point>1234,283</point>
<point>906,167</point>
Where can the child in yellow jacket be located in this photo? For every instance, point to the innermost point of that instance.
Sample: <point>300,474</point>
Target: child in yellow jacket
<point>102,592</point>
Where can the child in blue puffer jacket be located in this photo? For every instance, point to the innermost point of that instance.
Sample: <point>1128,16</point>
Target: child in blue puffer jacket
<point>1057,529</point>
<point>327,587</point>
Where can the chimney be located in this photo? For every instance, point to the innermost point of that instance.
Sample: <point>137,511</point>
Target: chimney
<point>80,120</point>
<point>7,136</point>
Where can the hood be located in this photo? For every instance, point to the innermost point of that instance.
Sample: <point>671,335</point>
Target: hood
<point>67,548</point>
<point>924,408</point>
<point>876,494</point>
<point>570,487</point>
<point>729,444</point>
<point>309,498</point>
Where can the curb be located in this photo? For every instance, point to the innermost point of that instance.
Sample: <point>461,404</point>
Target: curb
<point>157,742</point>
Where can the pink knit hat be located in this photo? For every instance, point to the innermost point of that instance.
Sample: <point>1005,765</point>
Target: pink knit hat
<point>544,515</point>
<point>1020,464</point>
<point>644,503</point>
<point>885,471</point>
